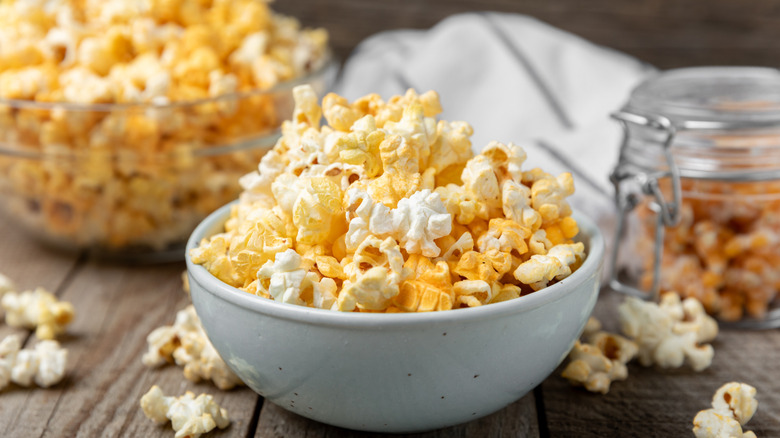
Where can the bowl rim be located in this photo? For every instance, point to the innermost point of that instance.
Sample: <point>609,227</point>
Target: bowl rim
<point>325,317</point>
<point>328,67</point>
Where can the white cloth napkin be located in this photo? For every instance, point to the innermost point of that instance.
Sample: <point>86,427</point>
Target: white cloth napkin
<point>514,79</point>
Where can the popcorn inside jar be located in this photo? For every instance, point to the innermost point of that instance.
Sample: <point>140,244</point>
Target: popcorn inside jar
<point>698,186</point>
<point>123,124</point>
<point>384,208</point>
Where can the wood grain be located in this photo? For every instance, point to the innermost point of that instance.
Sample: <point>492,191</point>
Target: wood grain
<point>517,420</point>
<point>664,33</point>
<point>663,403</point>
<point>116,308</point>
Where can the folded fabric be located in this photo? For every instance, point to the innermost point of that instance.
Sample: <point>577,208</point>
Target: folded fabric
<point>514,79</point>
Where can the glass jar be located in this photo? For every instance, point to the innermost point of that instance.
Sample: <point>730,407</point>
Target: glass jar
<point>697,187</point>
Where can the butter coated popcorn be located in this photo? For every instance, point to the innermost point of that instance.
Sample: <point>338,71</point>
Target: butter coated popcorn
<point>733,405</point>
<point>190,416</point>
<point>44,364</point>
<point>186,344</point>
<point>670,333</point>
<point>38,309</point>
<point>136,119</point>
<point>387,209</point>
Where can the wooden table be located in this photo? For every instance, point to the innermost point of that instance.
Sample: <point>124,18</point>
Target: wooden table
<point>117,306</point>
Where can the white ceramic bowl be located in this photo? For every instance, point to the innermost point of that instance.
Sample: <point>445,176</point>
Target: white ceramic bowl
<point>395,372</point>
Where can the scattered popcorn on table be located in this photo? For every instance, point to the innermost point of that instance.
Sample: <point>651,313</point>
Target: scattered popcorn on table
<point>387,209</point>
<point>733,405</point>
<point>600,361</point>
<point>38,309</point>
<point>186,343</point>
<point>44,364</point>
<point>187,78</point>
<point>670,333</point>
<point>190,416</point>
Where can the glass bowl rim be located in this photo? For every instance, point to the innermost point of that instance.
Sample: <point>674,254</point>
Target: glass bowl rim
<point>329,64</point>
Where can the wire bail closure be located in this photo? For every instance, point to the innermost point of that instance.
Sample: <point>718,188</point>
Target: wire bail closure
<point>667,213</point>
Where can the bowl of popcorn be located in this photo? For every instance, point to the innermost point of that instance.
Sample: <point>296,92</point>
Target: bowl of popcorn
<point>124,124</point>
<point>376,274</point>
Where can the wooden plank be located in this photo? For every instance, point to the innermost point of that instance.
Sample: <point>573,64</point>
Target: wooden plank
<point>116,308</point>
<point>516,420</point>
<point>663,403</point>
<point>664,33</point>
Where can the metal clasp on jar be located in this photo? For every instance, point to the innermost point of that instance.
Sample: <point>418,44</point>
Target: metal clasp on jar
<point>645,183</point>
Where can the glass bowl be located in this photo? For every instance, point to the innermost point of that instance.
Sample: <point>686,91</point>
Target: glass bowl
<point>131,181</point>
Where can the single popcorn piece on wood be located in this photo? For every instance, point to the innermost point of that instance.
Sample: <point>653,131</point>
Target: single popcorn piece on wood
<point>38,309</point>
<point>44,364</point>
<point>190,416</point>
<point>186,344</point>
<point>596,364</point>
<point>671,333</point>
<point>733,405</point>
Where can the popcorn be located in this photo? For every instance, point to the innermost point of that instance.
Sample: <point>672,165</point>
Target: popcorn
<point>186,343</point>
<point>718,252</point>
<point>733,405</point>
<point>6,285</point>
<point>190,416</point>
<point>669,333</point>
<point>44,364</point>
<point>386,209</point>
<point>189,76</point>
<point>38,309</point>
<point>539,270</point>
<point>598,363</point>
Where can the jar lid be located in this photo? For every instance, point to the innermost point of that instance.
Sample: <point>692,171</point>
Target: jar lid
<point>720,122</point>
<point>711,97</point>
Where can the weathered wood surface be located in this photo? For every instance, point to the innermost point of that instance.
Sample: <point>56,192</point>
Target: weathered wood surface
<point>662,403</point>
<point>117,306</point>
<point>664,33</point>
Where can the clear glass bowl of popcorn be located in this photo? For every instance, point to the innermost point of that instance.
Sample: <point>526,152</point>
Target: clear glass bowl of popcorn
<point>124,179</point>
<point>123,125</point>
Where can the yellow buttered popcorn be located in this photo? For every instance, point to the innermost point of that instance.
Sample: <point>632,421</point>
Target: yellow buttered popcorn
<point>138,118</point>
<point>384,208</point>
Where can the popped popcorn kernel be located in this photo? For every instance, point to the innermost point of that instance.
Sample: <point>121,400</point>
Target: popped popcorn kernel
<point>671,333</point>
<point>43,364</point>
<point>38,309</point>
<point>596,364</point>
<point>186,344</point>
<point>386,209</point>
<point>190,416</point>
<point>733,405</point>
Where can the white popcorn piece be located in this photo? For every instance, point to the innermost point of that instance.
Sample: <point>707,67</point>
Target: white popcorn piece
<point>415,223</point>
<point>733,405</point>
<point>38,309</point>
<point>539,270</point>
<point>596,364</point>
<point>480,180</point>
<point>286,277</point>
<point>186,344</point>
<point>548,196</point>
<point>516,202</point>
<point>44,364</point>
<point>506,159</point>
<point>710,423</point>
<point>190,416</point>
<point>669,334</point>
<point>737,398</point>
